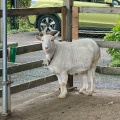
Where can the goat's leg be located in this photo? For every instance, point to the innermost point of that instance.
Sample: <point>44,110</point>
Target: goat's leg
<point>60,83</point>
<point>91,75</point>
<point>85,84</point>
<point>64,78</point>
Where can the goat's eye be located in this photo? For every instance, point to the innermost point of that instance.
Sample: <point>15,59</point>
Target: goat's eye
<point>42,40</point>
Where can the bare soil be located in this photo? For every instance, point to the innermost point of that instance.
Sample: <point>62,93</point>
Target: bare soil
<point>42,103</point>
<point>103,105</point>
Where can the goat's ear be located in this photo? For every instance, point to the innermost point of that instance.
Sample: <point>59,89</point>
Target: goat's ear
<point>38,37</point>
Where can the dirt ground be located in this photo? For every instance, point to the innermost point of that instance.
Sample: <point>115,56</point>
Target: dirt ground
<point>42,103</point>
<point>103,105</point>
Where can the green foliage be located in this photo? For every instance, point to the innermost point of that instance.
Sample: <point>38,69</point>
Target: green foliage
<point>115,53</point>
<point>22,21</point>
<point>24,3</point>
<point>23,26</point>
<point>8,4</point>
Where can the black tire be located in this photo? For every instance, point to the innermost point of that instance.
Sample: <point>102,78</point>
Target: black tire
<point>48,23</point>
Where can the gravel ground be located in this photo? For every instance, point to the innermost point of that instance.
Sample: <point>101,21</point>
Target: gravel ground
<point>23,39</point>
<point>41,103</point>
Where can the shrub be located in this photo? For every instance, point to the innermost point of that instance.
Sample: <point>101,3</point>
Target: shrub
<point>115,53</point>
<point>21,21</point>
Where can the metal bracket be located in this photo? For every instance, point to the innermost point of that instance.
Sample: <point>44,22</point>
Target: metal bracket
<point>70,89</point>
<point>8,82</point>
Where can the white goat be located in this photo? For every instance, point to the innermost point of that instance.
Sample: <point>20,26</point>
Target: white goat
<point>65,58</point>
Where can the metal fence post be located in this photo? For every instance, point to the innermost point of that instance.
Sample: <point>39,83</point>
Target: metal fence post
<point>6,105</point>
<point>0,23</point>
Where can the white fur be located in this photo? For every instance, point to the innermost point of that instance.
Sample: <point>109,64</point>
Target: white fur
<point>79,57</point>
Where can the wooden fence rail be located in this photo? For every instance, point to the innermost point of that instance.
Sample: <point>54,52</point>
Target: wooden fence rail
<point>31,11</point>
<point>107,10</point>
<point>108,44</point>
<point>38,11</point>
<point>103,44</point>
<point>104,10</point>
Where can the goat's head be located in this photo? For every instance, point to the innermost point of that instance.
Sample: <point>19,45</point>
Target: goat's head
<point>47,40</point>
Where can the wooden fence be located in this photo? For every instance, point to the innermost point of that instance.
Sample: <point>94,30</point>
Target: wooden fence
<point>52,10</point>
<point>64,30</point>
<point>102,44</point>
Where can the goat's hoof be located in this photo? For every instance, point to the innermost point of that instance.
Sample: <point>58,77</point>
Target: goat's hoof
<point>90,93</point>
<point>82,91</point>
<point>61,96</point>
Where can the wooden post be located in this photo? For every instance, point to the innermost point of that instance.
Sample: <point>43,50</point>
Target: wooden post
<point>68,4</point>
<point>75,23</point>
<point>68,36</point>
<point>63,24</point>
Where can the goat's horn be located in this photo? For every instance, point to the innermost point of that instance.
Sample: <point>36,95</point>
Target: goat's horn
<point>53,32</point>
<point>56,35</point>
<point>43,32</point>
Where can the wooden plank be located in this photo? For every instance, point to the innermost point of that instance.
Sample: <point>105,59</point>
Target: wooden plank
<point>94,32</point>
<point>29,48</point>
<point>75,23</point>
<point>9,44</point>
<point>109,10</point>
<point>32,84</point>
<point>109,44</point>
<point>108,70</point>
<point>23,67</point>
<point>31,11</point>
<point>63,24</point>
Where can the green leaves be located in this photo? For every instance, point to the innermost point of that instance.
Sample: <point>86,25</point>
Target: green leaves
<point>22,21</point>
<point>115,53</point>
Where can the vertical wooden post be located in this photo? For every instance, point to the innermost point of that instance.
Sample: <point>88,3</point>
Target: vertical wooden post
<point>68,4</point>
<point>75,23</point>
<point>63,23</point>
<point>68,36</point>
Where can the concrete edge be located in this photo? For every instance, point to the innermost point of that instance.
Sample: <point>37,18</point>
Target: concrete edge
<point>108,70</point>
